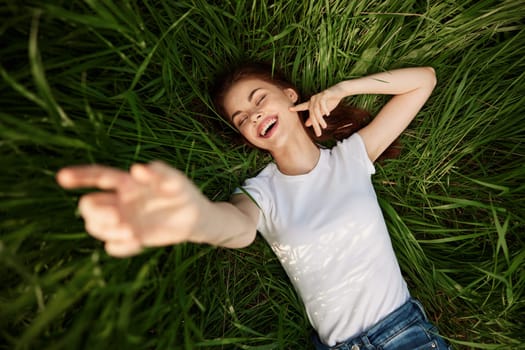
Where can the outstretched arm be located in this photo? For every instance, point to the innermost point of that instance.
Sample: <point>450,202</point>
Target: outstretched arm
<point>156,205</point>
<point>411,88</point>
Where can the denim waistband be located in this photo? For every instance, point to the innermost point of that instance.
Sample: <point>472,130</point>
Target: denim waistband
<point>392,324</point>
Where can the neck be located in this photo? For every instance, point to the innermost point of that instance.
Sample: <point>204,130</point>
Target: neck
<point>298,157</point>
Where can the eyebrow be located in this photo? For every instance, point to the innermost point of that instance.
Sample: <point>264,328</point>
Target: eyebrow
<point>250,96</point>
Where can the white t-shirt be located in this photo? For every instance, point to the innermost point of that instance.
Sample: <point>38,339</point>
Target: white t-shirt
<point>328,231</point>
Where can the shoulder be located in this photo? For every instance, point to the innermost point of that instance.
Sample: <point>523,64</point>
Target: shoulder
<point>354,148</point>
<point>353,141</point>
<point>257,187</point>
<point>265,175</point>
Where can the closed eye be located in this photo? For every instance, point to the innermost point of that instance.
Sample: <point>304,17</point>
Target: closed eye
<point>260,100</point>
<point>242,119</point>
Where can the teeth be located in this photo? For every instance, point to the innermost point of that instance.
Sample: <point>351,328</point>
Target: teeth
<point>268,126</point>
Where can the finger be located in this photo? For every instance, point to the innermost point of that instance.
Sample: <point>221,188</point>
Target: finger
<point>318,130</point>
<point>103,177</point>
<point>308,122</point>
<point>322,122</point>
<point>300,107</point>
<point>318,113</point>
<point>119,232</point>
<point>171,180</point>
<point>123,249</point>
<point>324,108</point>
<point>164,170</point>
<point>142,173</point>
<point>100,205</point>
<point>157,174</point>
<point>315,125</point>
<point>102,218</point>
<point>315,114</point>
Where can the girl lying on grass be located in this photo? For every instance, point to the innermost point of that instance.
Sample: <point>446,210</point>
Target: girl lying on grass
<point>316,207</point>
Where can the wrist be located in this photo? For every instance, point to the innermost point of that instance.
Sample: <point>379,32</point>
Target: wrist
<point>201,229</point>
<point>345,88</point>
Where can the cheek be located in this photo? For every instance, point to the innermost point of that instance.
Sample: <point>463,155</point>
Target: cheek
<point>245,130</point>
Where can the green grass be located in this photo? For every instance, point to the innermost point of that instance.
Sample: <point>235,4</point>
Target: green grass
<point>123,82</point>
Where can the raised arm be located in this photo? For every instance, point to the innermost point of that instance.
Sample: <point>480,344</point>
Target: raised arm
<point>156,205</point>
<point>411,88</point>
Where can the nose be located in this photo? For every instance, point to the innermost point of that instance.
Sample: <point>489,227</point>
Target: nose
<point>255,116</point>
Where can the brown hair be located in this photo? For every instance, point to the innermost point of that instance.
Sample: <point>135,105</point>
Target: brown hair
<point>343,121</point>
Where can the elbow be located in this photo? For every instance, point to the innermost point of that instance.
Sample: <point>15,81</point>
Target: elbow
<point>247,239</point>
<point>246,234</point>
<point>242,240</point>
<point>249,234</point>
<point>432,79</point>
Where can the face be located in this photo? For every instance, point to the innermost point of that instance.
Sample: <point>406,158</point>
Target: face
<point>260,111</point>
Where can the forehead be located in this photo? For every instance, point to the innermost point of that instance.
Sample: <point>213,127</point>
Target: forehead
<point>238,94</point>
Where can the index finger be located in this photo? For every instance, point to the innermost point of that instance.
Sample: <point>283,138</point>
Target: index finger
<point>103,177</point>
<point>300,107</point>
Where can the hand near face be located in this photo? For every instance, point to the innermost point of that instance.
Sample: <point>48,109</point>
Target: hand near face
<point>319,106</point>
<point>151,205</point>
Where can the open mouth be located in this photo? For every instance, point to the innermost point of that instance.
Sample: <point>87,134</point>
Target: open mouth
<point>268,126</point>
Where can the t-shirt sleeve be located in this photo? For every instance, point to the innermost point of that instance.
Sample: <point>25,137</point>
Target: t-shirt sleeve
<point>254,188</point>
<point>354,147</point>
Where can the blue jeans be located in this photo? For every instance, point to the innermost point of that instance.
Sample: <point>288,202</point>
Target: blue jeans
<point>406,328</point>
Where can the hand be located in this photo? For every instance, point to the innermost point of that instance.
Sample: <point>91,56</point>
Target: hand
<point>319,106</point>
<point>152,205</point>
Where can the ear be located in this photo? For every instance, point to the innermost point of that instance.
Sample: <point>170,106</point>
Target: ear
<point>292,94</point>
